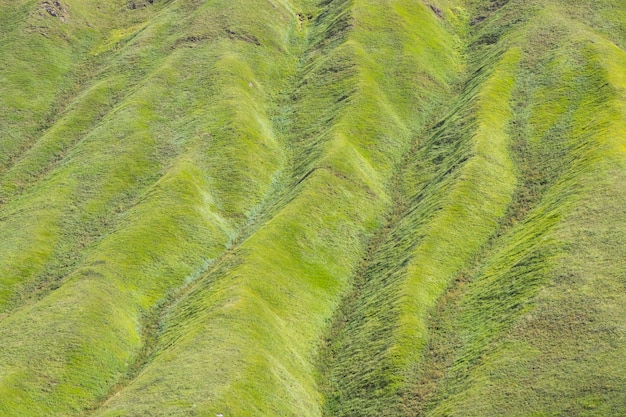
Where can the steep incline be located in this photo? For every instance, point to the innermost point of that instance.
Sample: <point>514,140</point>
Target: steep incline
<point>534,327</point>
<point>253,323</point>
<point>143,198</point>
<point>312,208</point>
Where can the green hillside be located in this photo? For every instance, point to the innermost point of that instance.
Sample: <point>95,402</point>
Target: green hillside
<point>312,208</point>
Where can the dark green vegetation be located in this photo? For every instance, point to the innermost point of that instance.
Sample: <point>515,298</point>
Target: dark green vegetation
<point>313,208</point>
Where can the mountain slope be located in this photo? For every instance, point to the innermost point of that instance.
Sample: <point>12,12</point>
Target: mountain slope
<point>298,207</point>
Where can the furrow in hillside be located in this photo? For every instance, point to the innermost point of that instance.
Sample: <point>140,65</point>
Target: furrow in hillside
<point>39,258</point>
<point>245,338</point>
<point>41,85</point>
<point>524,327</point>
<point>152,130</point>
<point>304,146</point>
<point>87,333</point>
<point>457,185</point>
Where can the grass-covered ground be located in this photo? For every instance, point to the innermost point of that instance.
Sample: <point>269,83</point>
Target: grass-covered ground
<point>312,208</point>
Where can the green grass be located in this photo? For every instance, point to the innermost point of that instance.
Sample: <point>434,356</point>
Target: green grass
<point>312,208</point>
<point>516,329</point>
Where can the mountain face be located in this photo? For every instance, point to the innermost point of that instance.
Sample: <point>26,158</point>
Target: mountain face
<point>313,208</point>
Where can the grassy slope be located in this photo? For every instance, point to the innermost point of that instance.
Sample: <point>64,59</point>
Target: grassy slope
<point>531,327</point>
<point>111,242</point>
<point>469,178</point>
<point>287,274</point>
<point>191,200</point>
